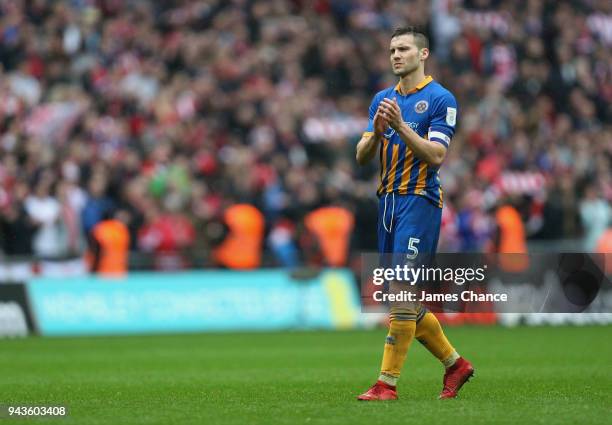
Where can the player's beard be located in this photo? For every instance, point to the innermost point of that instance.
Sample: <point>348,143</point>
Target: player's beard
<point>408,69</point>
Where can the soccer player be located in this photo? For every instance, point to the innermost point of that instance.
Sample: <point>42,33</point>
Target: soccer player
<point>411,126</point>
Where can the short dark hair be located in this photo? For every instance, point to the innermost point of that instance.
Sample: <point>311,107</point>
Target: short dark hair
<point>420,39</point>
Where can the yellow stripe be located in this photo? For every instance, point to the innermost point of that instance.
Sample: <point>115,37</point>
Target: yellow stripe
<point>340,294</point>
<point>428,79</point>
<point>422,176</point>
<point>403,188</point>
<point>383,167</point>
<point>391,178</point>
<point>367,133</point>
<point>441,199</point>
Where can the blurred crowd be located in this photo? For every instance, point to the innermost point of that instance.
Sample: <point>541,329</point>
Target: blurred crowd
<point>167,112</point>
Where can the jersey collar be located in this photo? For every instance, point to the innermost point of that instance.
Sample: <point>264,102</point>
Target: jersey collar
<point>428,79</point>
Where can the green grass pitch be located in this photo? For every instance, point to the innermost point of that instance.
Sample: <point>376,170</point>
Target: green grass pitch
<point>541,375</point>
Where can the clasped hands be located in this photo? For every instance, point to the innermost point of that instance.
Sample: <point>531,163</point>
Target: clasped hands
<point>388,114</point>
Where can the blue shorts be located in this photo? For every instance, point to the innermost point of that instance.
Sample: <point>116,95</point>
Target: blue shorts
<point>408,224</point>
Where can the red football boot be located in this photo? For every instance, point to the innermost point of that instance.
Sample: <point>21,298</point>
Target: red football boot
<point>379,391</point>
<point>455,376</point>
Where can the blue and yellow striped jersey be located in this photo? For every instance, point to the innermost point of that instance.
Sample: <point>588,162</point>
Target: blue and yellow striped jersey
<point>431,111</point>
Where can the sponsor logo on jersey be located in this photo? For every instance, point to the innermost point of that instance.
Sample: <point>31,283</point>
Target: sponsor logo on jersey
<point>451,116</point>
<point>390,132</point>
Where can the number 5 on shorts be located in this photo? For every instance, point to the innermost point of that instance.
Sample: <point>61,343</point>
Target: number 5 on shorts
<point>412,248</point>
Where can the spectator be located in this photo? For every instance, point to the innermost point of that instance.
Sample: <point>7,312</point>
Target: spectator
<point>97,203</point>
<point>169,235</point>
<point>241,248</point>
<point>109,244</point>
<point>331,227</point>
<point>17,231</point>
<point>71,202</point>
<point>596,215</point>
<point>44,211</point>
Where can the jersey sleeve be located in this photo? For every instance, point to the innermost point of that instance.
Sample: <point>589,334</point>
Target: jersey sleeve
<point>443,119</point>
<point>372,112</point>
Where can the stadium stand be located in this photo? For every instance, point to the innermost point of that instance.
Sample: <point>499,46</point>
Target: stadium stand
<point>172,111</point>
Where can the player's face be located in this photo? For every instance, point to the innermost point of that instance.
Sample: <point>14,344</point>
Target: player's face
<point>405,55</point>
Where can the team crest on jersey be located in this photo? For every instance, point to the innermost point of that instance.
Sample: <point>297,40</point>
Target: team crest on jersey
<point>421,106</point>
